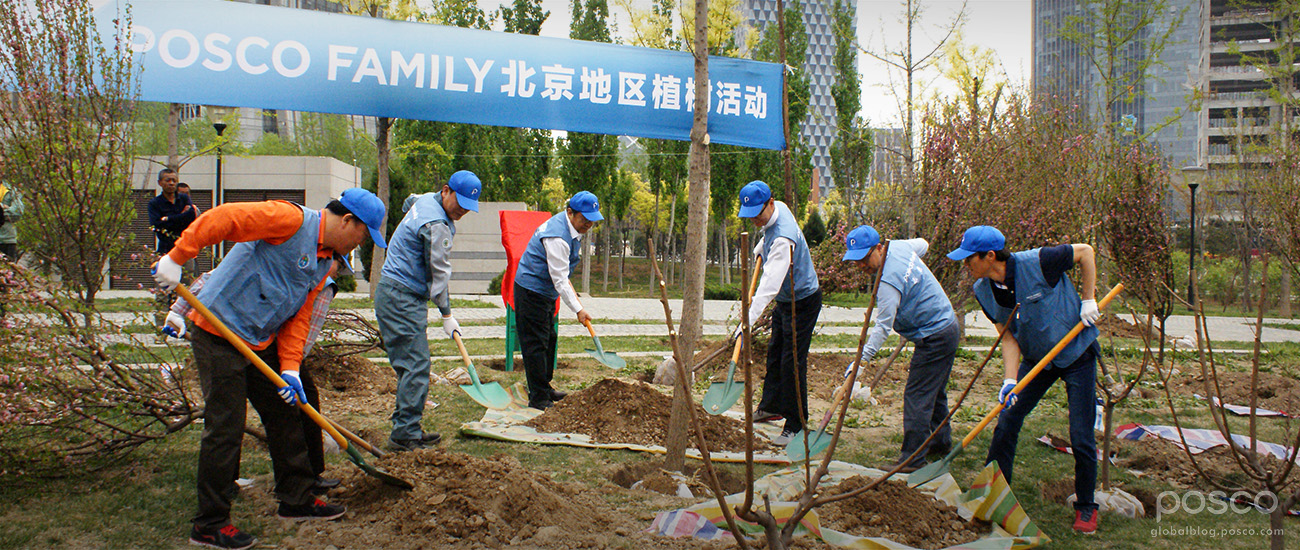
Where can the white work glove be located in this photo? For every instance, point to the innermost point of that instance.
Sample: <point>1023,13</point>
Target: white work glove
<point>174,326</point>
<point>862,395</point>
<point>449,325</point>
<point>166,273</point>
<point>1005,395</point>
<point>292,393</point>
<point>849,369</point>
<point>1088,313</point>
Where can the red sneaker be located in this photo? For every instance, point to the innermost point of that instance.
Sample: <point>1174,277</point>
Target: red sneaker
<point>1085,521</point>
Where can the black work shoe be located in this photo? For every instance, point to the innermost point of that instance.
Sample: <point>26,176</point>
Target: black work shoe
<point>430,438</point>
<point>764,416</point>
<point>226,537</point>
<point>939,451</point>
<point>557,395</point>
<point>403,445</point>
<point>318,509</point>
<point>541,405</point>
<point>323,485</point>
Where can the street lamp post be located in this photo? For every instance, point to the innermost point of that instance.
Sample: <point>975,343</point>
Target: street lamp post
<point>218,116</point>
<point>1192,176</point>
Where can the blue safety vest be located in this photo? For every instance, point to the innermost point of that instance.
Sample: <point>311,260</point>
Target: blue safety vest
<point>1046,313</point>
<point>406,263</point>
<point>805,275</point>
<point>532,273</point>
<point>259,286</point>
<point>924,308</point>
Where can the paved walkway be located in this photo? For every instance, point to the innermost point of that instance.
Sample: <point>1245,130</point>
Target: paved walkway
<point>720,315</point>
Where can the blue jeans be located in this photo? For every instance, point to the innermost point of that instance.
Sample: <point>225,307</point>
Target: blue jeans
<point>1081,389</point>
<point>403,318</point>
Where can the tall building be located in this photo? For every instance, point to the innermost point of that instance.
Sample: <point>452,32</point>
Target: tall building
<point>1207,56</point>
<point>1064,69</point>
<point>819,128</point>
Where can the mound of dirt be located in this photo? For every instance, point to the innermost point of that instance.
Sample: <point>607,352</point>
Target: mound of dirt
<point>899,513</point>
<point>1163,460</point>
<point>348,373</point>
<point>619,411</point>
<point>465,502</point>
<point>1275,392</point>
<point>1057,490</point>
<point>1112,326</point>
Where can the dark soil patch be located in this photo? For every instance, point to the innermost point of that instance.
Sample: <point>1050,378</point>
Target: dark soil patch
<point>1148,499</point>
<point>899,513</point>
<point>348,373</point>
<point>628,474</point>
<point>500,364</point>
<point>461,501</point>
<point>1274,392</point>
<point>1163,460</point>
<point>1057,490</point>
<point>1112,326</point>
<point>619,411</point>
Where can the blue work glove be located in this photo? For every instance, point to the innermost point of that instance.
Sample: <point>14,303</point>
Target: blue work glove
<point>1006,396</point>
<point>292,393</point>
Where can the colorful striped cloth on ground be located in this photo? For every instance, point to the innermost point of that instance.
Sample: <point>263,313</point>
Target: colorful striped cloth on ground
<point>1243,410</point>
<point>1197,439</point>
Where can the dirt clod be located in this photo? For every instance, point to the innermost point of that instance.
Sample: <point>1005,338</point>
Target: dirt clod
<point>619,411</point>
<point>897,512</point>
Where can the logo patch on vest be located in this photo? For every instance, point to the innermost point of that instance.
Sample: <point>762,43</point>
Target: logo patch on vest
<point>303,262</point>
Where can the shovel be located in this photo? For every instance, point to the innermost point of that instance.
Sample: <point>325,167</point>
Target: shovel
<point>722,395</point>
<point>607,358</point>
<point>819,440</point>
<point>936,469</point>
<point>353,454</point>
<point>490,395</point>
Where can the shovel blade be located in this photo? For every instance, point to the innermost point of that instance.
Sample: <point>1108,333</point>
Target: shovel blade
<point>721,396</point>
<point>818,442</point>
<point>389,479</point>
<point>490,395</point>
<point>933,470</point>
<point>608,358</point>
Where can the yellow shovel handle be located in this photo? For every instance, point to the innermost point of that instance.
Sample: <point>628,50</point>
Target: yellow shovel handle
<point>1042,363</point>
<point>753,285</point>
<point>464,355</point>
<point>261,365</point>
<point>590,329</point>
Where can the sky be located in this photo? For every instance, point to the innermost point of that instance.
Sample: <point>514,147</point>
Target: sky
<point>999,25</point>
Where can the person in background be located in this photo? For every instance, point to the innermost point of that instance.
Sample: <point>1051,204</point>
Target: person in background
<point>783,248</point>
<point>1050,307</point>
<point>11,210</point>
<point>543,275</point>
<point>416,270</point>
<point>911,301</point>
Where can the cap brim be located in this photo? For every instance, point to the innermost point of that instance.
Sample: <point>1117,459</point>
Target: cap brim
<point>852,255</point>
<point>751,211</point>
<point>593,216</point>
<point>960,254</point>
<point>378,237</point>
<point>467,203</point>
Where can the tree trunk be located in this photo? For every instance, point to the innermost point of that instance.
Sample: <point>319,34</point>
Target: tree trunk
<point>173,136</point>
<point>654,233</point>
<point>671,260</point>
<point>1284,303</point>
<point>622,252</point>
<point>909,206</point>
<point>586,266</point>
<point>605,235</point>
<point>726,253</point>
<point>697,243</point>
<point>383,125</point>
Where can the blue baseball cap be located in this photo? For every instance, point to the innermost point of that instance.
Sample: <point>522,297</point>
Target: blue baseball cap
<point>467,188</point>
<point>367,208</point>
<point>980,238</point>
<point>586,204</point>
<point>753,198</point>
<point>860,242</point>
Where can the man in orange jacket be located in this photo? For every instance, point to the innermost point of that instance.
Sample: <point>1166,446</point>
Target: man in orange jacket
<point>263,291</point>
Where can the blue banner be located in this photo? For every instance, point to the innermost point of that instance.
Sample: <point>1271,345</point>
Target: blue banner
<point>244,55</point>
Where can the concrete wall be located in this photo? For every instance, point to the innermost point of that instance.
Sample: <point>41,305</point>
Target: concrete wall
<point>477,255</point>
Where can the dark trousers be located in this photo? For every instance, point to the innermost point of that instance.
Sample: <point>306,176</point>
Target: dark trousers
<point>1081,389</point>
<point>535,316</point>
<point>312,433</point>
<point>925,399</point>
<point>783,393</point>
<point>10,251</point>
<point>228,380</point>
